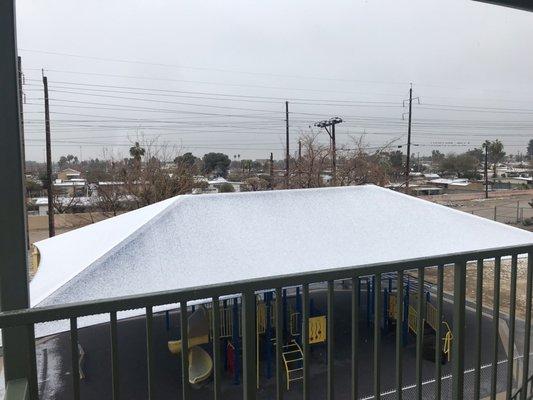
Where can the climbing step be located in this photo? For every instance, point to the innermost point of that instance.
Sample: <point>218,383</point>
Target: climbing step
<point>293,359</point>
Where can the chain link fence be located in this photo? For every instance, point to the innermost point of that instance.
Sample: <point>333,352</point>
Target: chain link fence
<point>507,214</point>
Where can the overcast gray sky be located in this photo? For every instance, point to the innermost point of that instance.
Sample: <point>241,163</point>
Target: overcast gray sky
<point>213,75</point>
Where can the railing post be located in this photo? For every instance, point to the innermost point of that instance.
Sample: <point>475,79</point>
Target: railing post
<point>512,318</point>
<point>18,342</point>
<point>305,340</point>
<point>248,355</point>
<point>184,334</point>
<point>479,319</point>
<point>377,337</point>
<point>330,394</point>
<point>527,334</point>
<point>399,335</point>
<point>495,327</point>
<point>356,293</point>
<point>279,344</point>
<point>216,349</point>
<point>458,329</point>
<point>438,336</point>
<point>420,314</point>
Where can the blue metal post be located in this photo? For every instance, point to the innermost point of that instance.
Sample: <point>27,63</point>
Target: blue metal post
<point>225,340</point>
<point>406,314</point>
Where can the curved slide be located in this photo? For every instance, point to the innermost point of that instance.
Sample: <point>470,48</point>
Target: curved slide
<point>200,362</point>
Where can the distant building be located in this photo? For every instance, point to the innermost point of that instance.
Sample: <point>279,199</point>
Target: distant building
<point>442,182</point>
<point>68,174</point>
<point>70,183</point>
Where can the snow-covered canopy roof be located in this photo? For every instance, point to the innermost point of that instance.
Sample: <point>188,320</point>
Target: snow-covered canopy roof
<point>196,240</point>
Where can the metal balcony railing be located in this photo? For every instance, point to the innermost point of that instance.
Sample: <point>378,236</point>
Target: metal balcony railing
<point>517,379</point>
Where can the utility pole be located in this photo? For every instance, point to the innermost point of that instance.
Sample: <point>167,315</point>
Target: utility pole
<point>299,162</point>
<point>22,139</point>
<point>51,226</point>
<point>408,161</point>
<point>331,132</point>
<point>287,155</point>
<point>271,166</point>
<point>486,145</point>
<point>21,101</point>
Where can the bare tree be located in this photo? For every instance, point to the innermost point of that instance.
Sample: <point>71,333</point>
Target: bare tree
<point>311,166</point>
<point>360,164</point>
<point>158,176</point>
<point>64,202</point>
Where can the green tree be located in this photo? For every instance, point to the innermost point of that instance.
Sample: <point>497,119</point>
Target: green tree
<point>477,153</point>
<point>136,152</point>
<point>67,161</point>
<point>437,156</point>
<point>226,188</point>
<point>186,160</point>
<point>396,159</point>
<point>217,163</point>
<point>495,153</point>
<point>462,165</point>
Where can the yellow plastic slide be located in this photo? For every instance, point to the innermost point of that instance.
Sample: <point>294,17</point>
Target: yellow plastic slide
<point>200,365</point>
<point>200,362</point>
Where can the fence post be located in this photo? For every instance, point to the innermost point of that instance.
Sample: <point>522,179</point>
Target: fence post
<point>517,211</point>
<point>495,213</point>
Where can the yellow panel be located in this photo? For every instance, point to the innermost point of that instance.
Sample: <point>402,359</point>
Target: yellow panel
<point>317,329</point>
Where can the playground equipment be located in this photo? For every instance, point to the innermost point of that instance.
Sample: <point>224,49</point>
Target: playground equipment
<point>411,318</point>
<point>230,330</point>
<point>200,332</point>
<point>293,360</point>
<point>200,362</point>
<point>81,360</point>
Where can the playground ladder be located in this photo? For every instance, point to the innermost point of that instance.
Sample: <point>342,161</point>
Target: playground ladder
<point>293,359</point>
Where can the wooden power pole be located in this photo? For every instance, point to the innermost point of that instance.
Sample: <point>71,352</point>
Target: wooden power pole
<point>486,145</point>
<point>51,226</point>
<point>408,161</point>
<point>331,132</point>
<point>287,154</point>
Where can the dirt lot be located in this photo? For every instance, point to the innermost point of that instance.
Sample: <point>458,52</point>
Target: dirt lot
<point>488,284</point>
<point>508,206</point>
